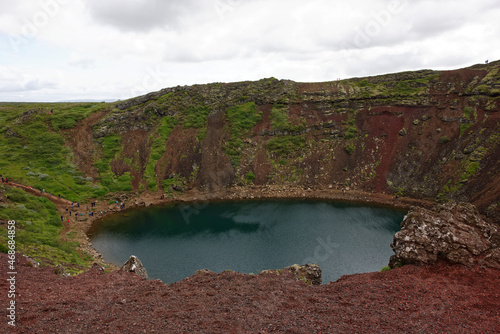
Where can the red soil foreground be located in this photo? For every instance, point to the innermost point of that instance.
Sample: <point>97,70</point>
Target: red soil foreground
<point>434,299</point>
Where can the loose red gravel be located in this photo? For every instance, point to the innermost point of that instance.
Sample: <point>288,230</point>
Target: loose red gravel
<point>433,299</point>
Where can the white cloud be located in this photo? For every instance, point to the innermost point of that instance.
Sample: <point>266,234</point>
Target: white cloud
<point>123,48</point>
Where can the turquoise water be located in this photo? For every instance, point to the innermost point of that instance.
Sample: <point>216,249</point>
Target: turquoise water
<point>175,241</point>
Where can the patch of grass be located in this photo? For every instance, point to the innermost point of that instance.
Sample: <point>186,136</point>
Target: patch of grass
<point>34,154</point>
<point>386,268</point>
<point>284,146</point>
<point>38,226</point>
<point>196,116</point>
<point>171,183</point>
<point>242,119</point>
<point>351,132</point>
<point>366,83</point>
<point>250,176</point>
<point>67,118</point>
<point>111,146</point>
<point>280,121</point>
<point>470,170</point>
<point>444,140</point>
<point>464,127</point>
<point>167,125</point>
<point>350,148</point>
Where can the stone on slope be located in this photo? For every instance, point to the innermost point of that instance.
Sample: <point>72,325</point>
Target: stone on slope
<point>134,265</point>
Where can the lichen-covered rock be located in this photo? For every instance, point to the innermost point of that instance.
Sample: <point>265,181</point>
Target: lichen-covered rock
<point>455,232</point>
<point>135,266</point>
<point>309,273</point>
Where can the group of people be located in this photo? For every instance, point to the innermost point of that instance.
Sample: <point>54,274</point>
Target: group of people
<point>120,205</point>
<point>6,180</point>
<point>77,214</point>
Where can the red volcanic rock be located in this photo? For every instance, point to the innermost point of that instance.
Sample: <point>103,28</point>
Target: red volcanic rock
<point>441,298</point>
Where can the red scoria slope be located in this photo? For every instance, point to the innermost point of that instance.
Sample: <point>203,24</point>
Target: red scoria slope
<point>432,299</point>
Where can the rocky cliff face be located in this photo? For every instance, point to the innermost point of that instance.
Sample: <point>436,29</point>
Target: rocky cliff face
<point>424,134</point>
<point>454,232</point>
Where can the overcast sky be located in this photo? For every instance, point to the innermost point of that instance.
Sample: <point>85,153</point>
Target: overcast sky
<point>53,50</point>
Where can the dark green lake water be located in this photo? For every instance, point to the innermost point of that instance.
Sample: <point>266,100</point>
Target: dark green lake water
<point>175,241</point>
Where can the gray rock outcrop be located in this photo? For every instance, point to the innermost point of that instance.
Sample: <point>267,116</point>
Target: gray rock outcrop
<point>455,232</point>
<point>135,266</point>
<point>309,273</point>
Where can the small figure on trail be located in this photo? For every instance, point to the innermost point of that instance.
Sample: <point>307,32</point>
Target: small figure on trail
<point>70,212</point>
<point>6,180</point>
<point>68,222</point>
<point>62,218</point>
<point>72,204</point>
<point>486,62</point>
<point>66,209</point>
<point>78,204</point>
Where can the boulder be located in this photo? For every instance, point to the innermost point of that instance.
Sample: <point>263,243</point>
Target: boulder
<point>309,273</point>
<point>31,263</point>
<point>454,232</point>
<point>60,271</point>
<point>134,265</point>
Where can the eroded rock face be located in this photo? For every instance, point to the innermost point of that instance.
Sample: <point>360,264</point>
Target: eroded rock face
<point>455,232</point>
<point>134,265</point>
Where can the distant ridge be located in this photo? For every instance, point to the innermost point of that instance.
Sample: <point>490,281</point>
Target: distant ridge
<point>87,100</point>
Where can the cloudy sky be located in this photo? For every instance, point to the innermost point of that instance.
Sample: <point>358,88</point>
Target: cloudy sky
<point>54,50</point>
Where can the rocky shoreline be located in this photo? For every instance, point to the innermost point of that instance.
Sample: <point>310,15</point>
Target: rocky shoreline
<point>195,198</point>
